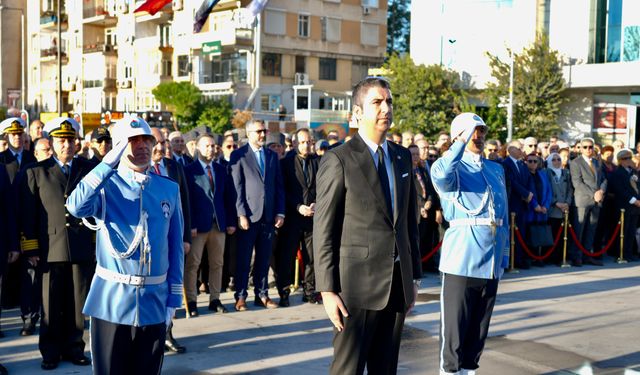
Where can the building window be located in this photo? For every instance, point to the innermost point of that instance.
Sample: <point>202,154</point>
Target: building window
<point>128,72</point>
<point>370,3</point>
<point>275,22</point>
<point>271,63</point>
<point>301,66</point>
<point>331,29</point>
<point>269,102</point>
<point>166,68</point>
<point>228,67</point>
<point>303,25</point>
<point>165,35</point>
<point>632,43</point>
<point>614,30</point>
<point>605,31</point>
<point>369,34</point>
<point>183,65</point>
<point>327,69</point>
<point>110,38</point>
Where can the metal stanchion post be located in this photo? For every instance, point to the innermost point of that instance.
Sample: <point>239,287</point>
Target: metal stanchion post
<point>296,277</point>
<point>512,268</point>
<point>565,264</point>
<point>621,260</point>
<point>186,305</point>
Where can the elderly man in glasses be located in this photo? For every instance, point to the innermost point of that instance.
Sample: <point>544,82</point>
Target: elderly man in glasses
<point>590,186</point>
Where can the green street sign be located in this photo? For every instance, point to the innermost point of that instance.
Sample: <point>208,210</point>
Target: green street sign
<point>212,48</point>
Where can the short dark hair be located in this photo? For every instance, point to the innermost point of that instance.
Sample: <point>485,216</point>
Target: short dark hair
<point>412,146</point>
<point>360,90</point>
<point>206,135</point>
<point>302,130</point>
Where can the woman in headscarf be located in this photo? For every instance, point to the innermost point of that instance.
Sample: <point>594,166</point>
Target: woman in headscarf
<point>562,195</point>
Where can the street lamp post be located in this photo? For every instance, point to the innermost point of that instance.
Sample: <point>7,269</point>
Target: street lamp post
<point>510,104</point>
<point>23,89</point>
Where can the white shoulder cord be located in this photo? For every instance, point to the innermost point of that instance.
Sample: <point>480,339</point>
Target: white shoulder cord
<point>485,198</point>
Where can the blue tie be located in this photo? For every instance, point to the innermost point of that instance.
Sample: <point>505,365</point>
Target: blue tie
<point>261,161</point>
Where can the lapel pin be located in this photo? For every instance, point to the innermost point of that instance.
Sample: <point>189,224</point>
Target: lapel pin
<point>399,157</point>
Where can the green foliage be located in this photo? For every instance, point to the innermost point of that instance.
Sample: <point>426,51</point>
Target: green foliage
<point>425,98</point>
<point>217,115</point>
<point>182,98</point>
<point>398,25</point>
<point>537,91</point>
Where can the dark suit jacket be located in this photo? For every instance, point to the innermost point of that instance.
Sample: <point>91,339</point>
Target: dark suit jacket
<point>624,191</point>
<point>176,173</point>
<point>297,190</point>
<point>187,159</point>
<point>10,161</point>
<point>354,235</point>
<point>8,228</point>
<point>585,182</point>
<point>58,235</point>
<point>257,197</point>
<point>428,193</point>
<point>205,202</point>
<point>518,175</point>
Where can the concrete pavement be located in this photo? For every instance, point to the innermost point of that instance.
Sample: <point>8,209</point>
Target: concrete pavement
<point>547,321</point>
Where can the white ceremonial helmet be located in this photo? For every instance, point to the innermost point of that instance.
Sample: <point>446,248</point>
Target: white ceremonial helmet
<point>129,126</point>
<point>465,121</point>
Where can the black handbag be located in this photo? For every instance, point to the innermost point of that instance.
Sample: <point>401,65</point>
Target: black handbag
<point>540,235</point>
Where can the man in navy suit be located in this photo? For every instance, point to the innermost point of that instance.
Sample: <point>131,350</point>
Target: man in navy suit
<point>212,199</point>
<point>260,207</point>
<point>519,194</point>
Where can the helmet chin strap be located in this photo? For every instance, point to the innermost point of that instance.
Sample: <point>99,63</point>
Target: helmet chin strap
<point>131,165</point>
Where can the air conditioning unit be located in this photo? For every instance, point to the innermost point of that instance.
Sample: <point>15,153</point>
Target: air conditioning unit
<point>176,5</point>
<point>301,79</point>
<point>366,11</point>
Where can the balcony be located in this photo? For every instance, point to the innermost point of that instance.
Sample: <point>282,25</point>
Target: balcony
<point>106,49</point>
<point>49,21</point>
<point>48,55</point>
<point>97,13</point>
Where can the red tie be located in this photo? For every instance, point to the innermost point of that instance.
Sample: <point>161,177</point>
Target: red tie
<point>210,177</point>
<point>156,166</point>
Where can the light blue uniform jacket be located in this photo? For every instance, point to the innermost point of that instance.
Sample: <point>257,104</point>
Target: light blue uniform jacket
<point>122,303</point>
<point>472,250</point>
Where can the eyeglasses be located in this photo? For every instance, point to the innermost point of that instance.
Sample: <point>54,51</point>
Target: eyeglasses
<point>556,159</point>
<point>433,156</point>
<point>229,147</point>
<point>625,158</point>
<point>492,150</point>
<point>532,161</point>
<point>533,145</point>
<point>587,147</point>
<point>260,131</point>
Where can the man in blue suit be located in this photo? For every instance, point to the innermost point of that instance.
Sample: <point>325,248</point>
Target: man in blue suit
<point>260,207</point>
<point>211,197</point>
<point>519,193</point>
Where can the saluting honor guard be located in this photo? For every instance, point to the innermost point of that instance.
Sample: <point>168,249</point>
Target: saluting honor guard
<point>138,281</point>
<point>475,248</point>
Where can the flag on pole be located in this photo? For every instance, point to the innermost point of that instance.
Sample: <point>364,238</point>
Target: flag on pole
<point>152,6</point>
<point>256,7</point>
<point>202,14</point>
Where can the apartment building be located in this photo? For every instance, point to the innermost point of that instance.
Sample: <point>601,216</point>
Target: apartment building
<point>111,58</point>
<point>11,52</point>
<point>599,41</point>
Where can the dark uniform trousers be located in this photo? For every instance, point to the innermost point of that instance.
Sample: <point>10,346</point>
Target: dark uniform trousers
<point>371,337</point>
<point>112,342</point>
<point>290,237</point>
<point>466,305</point>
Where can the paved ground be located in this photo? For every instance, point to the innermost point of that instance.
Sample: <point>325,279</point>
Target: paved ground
<point>547,321</point>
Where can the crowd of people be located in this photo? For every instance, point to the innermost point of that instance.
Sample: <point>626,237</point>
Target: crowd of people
<point>248,206</point>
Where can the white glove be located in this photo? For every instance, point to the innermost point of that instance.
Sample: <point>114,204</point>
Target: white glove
<point>113,157</point>
<point>171,311</point>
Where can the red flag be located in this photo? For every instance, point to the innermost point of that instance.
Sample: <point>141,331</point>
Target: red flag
<point>152,6</point>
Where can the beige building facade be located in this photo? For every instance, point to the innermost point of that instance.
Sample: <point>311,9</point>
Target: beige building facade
<point>112,58</point>
<point>11,55</point>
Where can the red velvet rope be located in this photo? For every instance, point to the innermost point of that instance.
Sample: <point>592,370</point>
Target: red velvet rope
<point>598,253</point>
<point>539,257</point>
<point>433,251</point>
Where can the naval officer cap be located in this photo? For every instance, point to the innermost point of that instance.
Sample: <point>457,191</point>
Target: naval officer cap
<point>129,127</point>
<point>61,127</point>
<point>12,125</point>
<point>465,121</point>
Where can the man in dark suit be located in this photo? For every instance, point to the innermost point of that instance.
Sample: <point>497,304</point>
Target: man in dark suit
<point>60,243</point>
<point>9,245</point>
<point>229,264</point>
<point>365,238</point>
<point>212,200</point>
<point>299,177</point>
<point>589,186</point>
<point>519,195</point>
<point>260,207</point>
<point>179,149</point>
<point>624,183</point>
<point>172,169</point>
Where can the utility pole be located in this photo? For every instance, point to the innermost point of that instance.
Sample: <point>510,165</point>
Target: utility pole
<point>59,53</point>
<point>510,104</point>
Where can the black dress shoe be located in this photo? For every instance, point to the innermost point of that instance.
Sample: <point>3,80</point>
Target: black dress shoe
<point>593,261</point>
<point>193,309</point>
<point>217,306</point>
<point>78,359</point>
<point>49,365</point>
<point>284,301</point>
<point>314,298</point>
<point>28,328</point>
<point>170,344</point>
